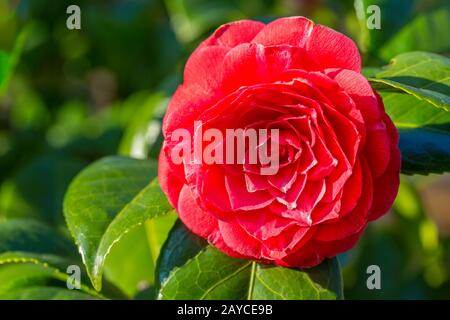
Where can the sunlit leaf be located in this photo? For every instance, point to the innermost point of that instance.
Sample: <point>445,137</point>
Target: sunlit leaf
<point>210,274</point>
<point>415,89</point>
<point>107,200</point>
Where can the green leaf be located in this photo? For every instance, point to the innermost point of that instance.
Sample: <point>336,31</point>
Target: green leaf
<point>31,253</point>
<point>181,245</point>
<point>424,133</point>
<point>424,75</point>
<point>424,32</point>
<point>34,238</point>
<point>18,276</point>
<point>210,274</point>
<point>46,293</point>
<point>136,272</point>
<point>15,276</point>
<point>142,133</point>
<point>37,191</point>
<point>8,61</point>
<point>130,269</point>
<point>107,200</point>
<point>4,67</point>
<point>29,241</point>
<point>29,257</point>
<point>415,89</point>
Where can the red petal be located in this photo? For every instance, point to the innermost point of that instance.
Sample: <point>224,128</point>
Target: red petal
<point>386,186</point>
<point>198,221</point>
<point>232,34</point>
<point>213,192</point>
<point>352,190</point>
<point>186,104</point>
<point>325,160</point>
<point>353,222</point>
<point>284,178</point>
<point>360,91</point>
<point>329,249</point>
<point>235,237</point>
<point>263,225</point>
<point>250,64</point>
<point>240,199</point>
<point>332,49</point>
<point>279,246</point>
<point>292,31</point>
<point>305,256</point>
<point>169,182</point>
<point>204,68</point>
<point>310,196</point>
<point>255,182</point>
<point>377,148</point>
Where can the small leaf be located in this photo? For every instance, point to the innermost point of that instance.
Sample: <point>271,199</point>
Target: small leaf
<point>212,275</point>
<point>107,200</point>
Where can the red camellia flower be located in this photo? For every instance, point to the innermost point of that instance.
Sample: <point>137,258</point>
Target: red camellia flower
<point>338,163</point>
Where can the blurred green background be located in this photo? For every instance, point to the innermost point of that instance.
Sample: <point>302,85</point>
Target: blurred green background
<point>73,96</point>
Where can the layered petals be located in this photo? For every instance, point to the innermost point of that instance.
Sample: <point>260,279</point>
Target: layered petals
<point>290,152</point>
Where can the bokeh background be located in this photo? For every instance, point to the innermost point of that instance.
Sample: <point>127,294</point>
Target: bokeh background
<point>73,96</point>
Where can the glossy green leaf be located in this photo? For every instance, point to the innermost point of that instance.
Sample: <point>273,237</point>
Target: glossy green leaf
<point>136,272</point>
<point>181,245</point>
<point>15,276</point>
<point>107,200</point>
<point>415,89</point>
<point>31,253</point>
<point>29,257</point>
<point>209,274</point>
<point>424,133</point>
<point>25,241</point>
<point>424,75</point>
<point>34,238</point>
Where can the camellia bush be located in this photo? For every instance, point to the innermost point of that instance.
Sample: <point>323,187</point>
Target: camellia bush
<point>346,128</point>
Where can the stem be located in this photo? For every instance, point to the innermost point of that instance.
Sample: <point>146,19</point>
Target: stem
<point>252,281</point>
